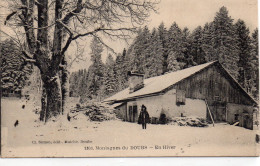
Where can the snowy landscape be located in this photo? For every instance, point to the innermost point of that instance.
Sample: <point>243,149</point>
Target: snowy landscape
<point>223,139</point>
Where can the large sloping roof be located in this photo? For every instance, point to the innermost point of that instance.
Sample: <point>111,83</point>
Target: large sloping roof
<point>157,84</point>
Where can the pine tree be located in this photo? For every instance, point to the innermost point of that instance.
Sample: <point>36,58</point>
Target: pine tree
<point>186,49</point>
<point>174,48</point>
<point>122,65</point>
<point>173,64</point>
<point>197,46</point>
<point>225,41</point>
<point>72,81</point>
<point>207,42</point>
<point>244,63</point>
<point>15,71</point>
<point>140,45</point>
<point>124,68</point>
<point>255,63</point>
<point>162,31</point>
<point>83,84</point>
<point>154,56</point>
<point>109,77</point>
<point>96,70</point>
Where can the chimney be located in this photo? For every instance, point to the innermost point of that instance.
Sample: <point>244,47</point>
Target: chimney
<point>135,80</point>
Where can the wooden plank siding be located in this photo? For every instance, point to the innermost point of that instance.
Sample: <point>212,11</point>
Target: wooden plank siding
<point>213,84</point>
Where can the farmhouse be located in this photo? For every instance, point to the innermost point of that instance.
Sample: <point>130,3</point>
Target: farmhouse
<point>207,91</point>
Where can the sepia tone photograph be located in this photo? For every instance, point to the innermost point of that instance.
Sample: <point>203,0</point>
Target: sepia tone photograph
<point>129,78</point>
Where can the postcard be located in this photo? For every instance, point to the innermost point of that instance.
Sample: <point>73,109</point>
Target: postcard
<point>129,78</point>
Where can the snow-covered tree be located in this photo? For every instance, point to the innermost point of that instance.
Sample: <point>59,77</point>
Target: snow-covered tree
<point>255,62</point>
<point>163,35</point>
<point>154,56</point>
<point>196,46</point>
<point>14,70</point>
<point>244,64</point>
<point>96,70</point>
<point>225,41</point>
<point>110,82</point>
<point>207,42</point>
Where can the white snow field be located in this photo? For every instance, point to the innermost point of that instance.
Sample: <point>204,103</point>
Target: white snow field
<point>83,138</point>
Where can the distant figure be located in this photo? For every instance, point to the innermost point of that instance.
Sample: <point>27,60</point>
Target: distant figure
<point>16,123</point>
<point>144,117</point>
<point>68,117</point>
<point>23,106</point>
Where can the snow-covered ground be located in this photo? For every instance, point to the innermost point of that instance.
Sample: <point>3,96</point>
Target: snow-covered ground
<point>83,138</point>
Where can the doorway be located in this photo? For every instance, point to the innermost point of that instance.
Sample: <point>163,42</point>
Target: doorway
<point>132,113</point>
<point>219,111</point>
<point>163,119</point>
<point>247,120</point>
<point>135,116</point>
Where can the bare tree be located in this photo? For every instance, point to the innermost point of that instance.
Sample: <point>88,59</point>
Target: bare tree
<point>50,26</point>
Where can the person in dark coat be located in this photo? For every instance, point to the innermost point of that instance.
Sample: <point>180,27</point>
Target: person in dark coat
<point>144,117</point>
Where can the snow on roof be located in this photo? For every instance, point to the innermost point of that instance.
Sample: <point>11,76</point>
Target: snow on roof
<point>159,83</point>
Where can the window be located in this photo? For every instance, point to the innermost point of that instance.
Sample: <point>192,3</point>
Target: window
<point>180,97</point>
<point>236,117</point>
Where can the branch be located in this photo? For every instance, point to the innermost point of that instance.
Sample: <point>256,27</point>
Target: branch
<point>9,17</point>
<point>101,41</point>
<point>102,29</point>
<point>28,21</point>
<point>78,54</point>
<point>71,38</point>
<point>89,6</point>
<point>66,27</point>
<point>46,27</point>
<point>64,49</point>
<point>78,9</point>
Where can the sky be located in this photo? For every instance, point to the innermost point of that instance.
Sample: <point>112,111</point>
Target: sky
<point>192,13</point>
<point>189,13</point>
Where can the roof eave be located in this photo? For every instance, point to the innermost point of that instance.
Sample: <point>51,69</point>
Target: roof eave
<point>140,96</point>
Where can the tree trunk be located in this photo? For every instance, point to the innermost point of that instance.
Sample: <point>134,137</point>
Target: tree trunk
<point>44,106</point>
<point>64,85</point>
<point>51,98</point>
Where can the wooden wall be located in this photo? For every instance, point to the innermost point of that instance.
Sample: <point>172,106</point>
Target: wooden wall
<point>213,84</point>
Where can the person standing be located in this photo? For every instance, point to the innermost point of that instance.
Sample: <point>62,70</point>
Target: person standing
<point>144,117</point>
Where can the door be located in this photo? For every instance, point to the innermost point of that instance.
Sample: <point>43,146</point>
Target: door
<point>247,121</point>
<point>135,116</point>
<point>221,114</point>
<point>219,111</point>
<point>130,113</point>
